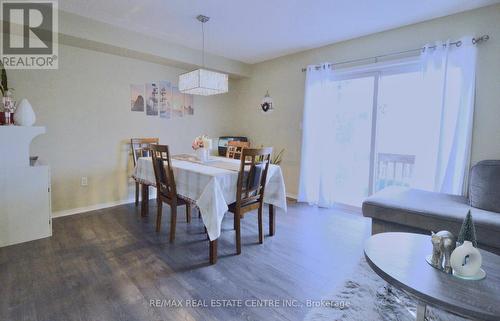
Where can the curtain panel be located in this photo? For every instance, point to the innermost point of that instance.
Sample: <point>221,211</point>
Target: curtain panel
<point>448,86</point>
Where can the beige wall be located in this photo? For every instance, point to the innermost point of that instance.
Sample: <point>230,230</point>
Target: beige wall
<point>85,107</point>
<point>285,81</point>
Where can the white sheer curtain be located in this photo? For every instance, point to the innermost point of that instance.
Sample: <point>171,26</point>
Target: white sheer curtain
<point>336,138</point>
<point>449,85</point>
<point>448,82</point>
<point>315,180</point>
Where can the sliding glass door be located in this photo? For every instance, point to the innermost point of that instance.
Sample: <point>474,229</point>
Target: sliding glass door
<point>350,127</point>
<point>405,123</point>
<point>407,132</point>
<point>384,134</point>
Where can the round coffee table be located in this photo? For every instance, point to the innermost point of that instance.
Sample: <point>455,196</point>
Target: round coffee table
<point>399,258</point>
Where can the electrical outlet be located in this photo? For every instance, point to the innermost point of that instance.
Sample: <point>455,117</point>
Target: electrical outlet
<point>84,181</point>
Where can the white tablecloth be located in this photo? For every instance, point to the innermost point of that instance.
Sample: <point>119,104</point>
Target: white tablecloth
<point>212,188</point>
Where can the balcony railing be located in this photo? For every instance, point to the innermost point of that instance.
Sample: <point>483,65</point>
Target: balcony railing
<point>393,170</point>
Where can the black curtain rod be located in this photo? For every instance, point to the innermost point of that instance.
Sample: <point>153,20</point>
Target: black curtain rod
<point>456,43</point>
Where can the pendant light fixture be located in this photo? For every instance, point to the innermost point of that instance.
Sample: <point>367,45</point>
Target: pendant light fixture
<point>201,81</point>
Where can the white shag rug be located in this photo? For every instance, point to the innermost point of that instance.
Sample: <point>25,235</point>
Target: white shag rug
<point>367,297</point>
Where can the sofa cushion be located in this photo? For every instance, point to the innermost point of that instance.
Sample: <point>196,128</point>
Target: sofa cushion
<point>432,212</point>
<point>484,186</point>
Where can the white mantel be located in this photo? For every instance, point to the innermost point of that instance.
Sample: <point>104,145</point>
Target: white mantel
<point>24,190</point>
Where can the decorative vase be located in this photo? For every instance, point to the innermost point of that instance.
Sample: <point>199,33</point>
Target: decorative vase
<point>466,260</point>
<point>24,115</point>
<point>202,154</point>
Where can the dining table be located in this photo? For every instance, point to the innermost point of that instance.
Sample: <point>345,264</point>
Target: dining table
<point>211,186</point>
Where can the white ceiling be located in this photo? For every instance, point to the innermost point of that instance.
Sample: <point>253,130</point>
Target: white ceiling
<point>256,30</point>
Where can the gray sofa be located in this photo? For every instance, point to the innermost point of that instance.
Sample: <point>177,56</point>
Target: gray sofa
<point>411,210</point>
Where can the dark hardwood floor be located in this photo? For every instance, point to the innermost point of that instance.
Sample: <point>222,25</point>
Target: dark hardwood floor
<point>110,264</point>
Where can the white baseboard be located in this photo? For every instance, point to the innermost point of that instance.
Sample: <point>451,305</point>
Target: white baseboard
<point>100,206</point>
<point>95,207</point>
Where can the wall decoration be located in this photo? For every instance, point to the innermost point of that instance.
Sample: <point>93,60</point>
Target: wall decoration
<point>160,98</point>
<point>165,103</point>
<point>188,105</point>
<point>137,97</point>
<point>152,99</point>
<point>177,102</point>
<point>266,105</point>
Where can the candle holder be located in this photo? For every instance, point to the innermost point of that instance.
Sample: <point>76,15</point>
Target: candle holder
<point>9,107</point>
<point>9,118</point>
<point>6,118</point>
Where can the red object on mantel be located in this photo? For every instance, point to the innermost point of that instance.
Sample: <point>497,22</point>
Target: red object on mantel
<point>3,121</point>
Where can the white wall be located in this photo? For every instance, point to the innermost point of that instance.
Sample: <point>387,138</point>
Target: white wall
<point>285,81</point>
<point>85,105</point>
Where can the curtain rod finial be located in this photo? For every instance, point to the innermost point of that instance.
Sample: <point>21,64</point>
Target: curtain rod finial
<point>480,39</point>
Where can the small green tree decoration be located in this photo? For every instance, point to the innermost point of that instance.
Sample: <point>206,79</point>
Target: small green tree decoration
<point>468,231</point>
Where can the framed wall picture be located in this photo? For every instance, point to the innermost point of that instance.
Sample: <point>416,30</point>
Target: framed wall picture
<point>188,105</point>
<point>137,98</point>
<point>177,102</point>
<point>152,94</point>
<point>165,99</point>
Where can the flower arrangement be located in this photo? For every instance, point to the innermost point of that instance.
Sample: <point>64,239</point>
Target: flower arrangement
<point>202,142</point>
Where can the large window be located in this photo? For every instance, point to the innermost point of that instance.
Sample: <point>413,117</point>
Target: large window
<point>349,170</point>
<point>384,134</point>
<point>405,123</point>
<point>407,133</point>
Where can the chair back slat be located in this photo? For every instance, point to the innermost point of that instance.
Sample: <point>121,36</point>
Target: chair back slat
<point>235,148</point>
<point>140,147</point>
<point>164,175</point>
<point>252,175</point>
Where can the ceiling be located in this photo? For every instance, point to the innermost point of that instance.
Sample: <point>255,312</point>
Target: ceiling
<point>252,31</point>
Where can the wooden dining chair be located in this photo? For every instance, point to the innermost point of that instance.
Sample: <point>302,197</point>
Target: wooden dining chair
<point>250,188</point>
<point>166,191</point>
<point>235,148</point>
<point>140,148</point>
